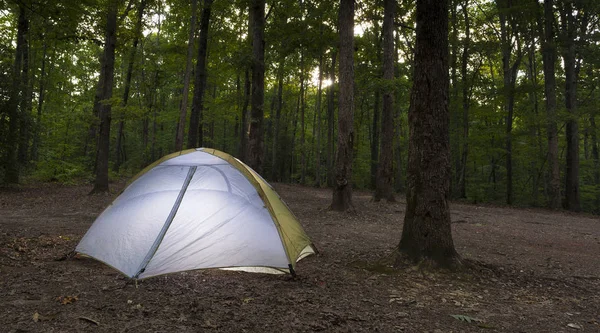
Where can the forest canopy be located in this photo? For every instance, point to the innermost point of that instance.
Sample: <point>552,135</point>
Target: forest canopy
<point>523,96</point>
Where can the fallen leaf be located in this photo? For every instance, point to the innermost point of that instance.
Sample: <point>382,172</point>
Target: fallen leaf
<point>64,300</point>
<point>90,320</point>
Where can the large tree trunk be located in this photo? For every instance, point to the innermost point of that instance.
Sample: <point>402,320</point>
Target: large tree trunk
<point>427,234</point>
<point>11,174</point>
<point>186,80</point>
<point>195,131</point>
<point>462,180</point>
<point>385,169</point>
<point>342,192</point>
<point>105,84</point>
<point>119,151</point>
<point>330,121</point>
<point>255,133</point>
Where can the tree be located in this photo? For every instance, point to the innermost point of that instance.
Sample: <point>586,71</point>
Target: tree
<point>571,28</point>
<point>508,33</point>
<point>17,92</point>
<point>384,184</point>
<point>342,191</point>
<point>546,34</point>
<point>126,90</point>
<point>104,94</point>
<point>186,79</point>
<point>255,134</point>
<point>462,179</point>
<point>426,234</point>
<point>195,132</point>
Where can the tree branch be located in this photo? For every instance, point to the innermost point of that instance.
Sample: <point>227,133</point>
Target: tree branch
<point>126,12</point>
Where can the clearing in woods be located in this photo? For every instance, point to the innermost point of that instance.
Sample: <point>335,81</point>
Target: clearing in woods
<point>533,271</point>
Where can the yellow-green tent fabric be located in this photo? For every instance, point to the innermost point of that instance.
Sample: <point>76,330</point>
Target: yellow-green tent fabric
<point>196,209</point>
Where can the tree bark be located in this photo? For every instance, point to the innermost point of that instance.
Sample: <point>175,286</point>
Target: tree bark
<point>302,121</point>
<point>375,138</point>
<point>426,234</point>
<point>120,134</point>
<point>11,174</point>
<point>274,163</point>
<point>596,158</point>
<point>186,80</point>
<point>342,192</point>
<point>385,189</point>
<point>195,132</point>
<point>40,105</point>
<point>255,133</point>
<point>330,121</point>
<point>318,123</point>
<point>25,103</point>
<point>572,201</point>
<point>105,84</point>
<point>546,34</point>
<point>462,180</point>
<point>510,78</point>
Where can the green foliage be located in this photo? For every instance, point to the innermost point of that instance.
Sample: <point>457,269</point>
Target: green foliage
<point>73,37</point>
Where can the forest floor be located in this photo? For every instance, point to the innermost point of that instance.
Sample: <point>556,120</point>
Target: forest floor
<point>532,271</point>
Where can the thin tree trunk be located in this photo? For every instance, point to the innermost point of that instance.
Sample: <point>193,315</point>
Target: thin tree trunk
<point>255,133</point>
<point>427,234</point>
<point>120,134</point>
<point>385,170</point>
<point>375,138</point>
<point>462,181</point>
<point>509,75</point>
<point>330,121</point>
<point>596,158</point>
<point>302,121</point>
<point>244,115</point>
<point>25,103</point>
<point>398,126</point>
<point>293,145</point>
<point>546,33</point>
<point>105,84</point>
<point>195,132</point>
<point>11,174</point>
<point>318,124</point>
<point>274,164</point>
<point>186,80</point>
<point>454,98</point>
<point>342,192</point>
<point>40,105</point>
<point>572,201</point>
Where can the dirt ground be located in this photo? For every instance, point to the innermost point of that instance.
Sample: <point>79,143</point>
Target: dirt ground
<point>535,271</point>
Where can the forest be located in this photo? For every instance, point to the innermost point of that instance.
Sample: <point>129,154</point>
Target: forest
<point>299,166</point>
<point>108,87</point>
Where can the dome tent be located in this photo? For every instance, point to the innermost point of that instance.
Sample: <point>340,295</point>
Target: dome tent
<point>196,209</point>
